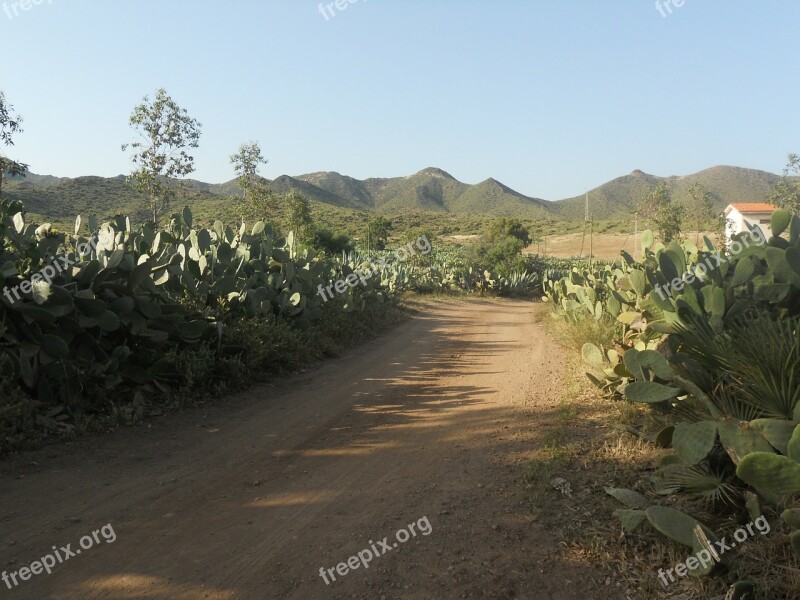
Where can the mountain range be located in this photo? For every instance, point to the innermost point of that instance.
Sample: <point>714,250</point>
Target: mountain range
<point>431,189</point>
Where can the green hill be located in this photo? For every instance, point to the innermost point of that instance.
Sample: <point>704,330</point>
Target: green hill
<point>61,201</point>
<point>431,189</point>
<point>729,184</point>
<point>501,200</point>
<point>619,197</point>
<point>352,191</point>
<point>339,198</point>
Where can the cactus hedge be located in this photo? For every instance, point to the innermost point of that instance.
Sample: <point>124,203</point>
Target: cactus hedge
<point>103,315</point>
<point>710,340</point>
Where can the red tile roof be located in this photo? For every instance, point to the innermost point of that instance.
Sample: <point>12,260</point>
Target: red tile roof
<point>755,207</point>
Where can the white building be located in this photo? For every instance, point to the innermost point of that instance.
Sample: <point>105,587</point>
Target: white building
<point>743,217</point>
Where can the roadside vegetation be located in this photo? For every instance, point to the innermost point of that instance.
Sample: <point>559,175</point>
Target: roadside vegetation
<point>699,350</point>
<point>107,323</point>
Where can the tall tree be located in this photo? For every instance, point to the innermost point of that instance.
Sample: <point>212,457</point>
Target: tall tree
<point>700,210</point>
<point>161,157</point>
<point>787,192</point>
<point>246,164</point>
<point>379,229</point>
<point>666,215</point>
<point>257,198</point>
<point>298,216</point>
<point>10,124</point>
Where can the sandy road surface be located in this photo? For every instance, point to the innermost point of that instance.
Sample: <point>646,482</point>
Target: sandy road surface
<point>248,500</point>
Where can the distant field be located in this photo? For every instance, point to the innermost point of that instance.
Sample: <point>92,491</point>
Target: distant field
<point>606,246</point>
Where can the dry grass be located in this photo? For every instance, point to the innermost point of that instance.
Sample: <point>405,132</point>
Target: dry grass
<point>584,447</point>
<point>605,246</point>
<point>584,328</point>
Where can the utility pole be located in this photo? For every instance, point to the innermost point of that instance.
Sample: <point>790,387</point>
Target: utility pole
<point>585,221</point>
<point>586,216</point>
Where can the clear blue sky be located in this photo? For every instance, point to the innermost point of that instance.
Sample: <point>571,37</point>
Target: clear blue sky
<point>550,97</point>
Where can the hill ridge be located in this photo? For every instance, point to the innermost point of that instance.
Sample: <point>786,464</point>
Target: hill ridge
<point>430,189</point>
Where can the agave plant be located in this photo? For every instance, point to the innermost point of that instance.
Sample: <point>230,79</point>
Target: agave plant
<point>518,284</point>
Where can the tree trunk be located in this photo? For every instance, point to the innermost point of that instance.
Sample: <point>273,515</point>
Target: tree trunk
<point>154,202</point>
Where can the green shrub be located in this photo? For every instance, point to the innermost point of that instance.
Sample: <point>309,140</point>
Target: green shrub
<point>331,243</point>
<point>502,255</point>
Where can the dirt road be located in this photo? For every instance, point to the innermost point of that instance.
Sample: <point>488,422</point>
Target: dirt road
<point>431,423</point>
